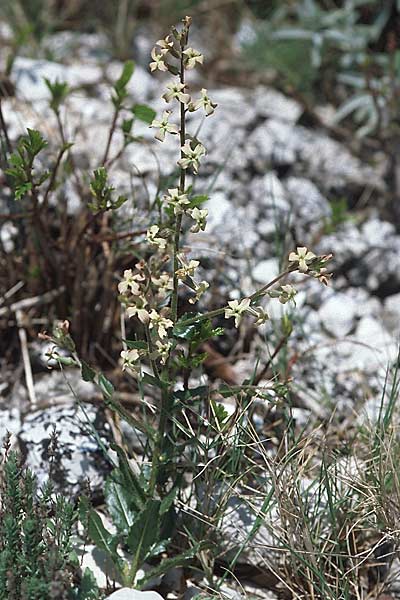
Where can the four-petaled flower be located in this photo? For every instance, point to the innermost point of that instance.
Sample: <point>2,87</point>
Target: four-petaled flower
<point>139,311</point>
<point>192,156</point>
<point>153,239</point>
<point>203,102</point>
<point>166,43</point>
<point>200,289</point>
<point>199,215</point>
<point>187,269</point>
<point>287,292</point>
<point>236,309</point>
<point>130,283</point>
<point>302,257</point>
<point>163,349</point>
<point>192,58</point>
<point>129,359</point>
<point>164,126</point>
<point>177,200</point>
<point>158,61</point>
<point>175,90</point>
<point>160,323</point>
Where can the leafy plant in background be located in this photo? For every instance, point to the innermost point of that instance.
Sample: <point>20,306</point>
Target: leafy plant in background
<point>166,353</point>
<point>338,45</point>
<point>37,528</point>
<point>36,174</point>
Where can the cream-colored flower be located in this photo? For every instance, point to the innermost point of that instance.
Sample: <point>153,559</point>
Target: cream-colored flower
<point>129,359</point>
<point>160,323</point>
<point>130,283</point>
<point>158,61</point>
<point>163,349</point>
<point>200,289</point>
<point>204,102</point>
<point>302,257</point>
<point>193,57</point>
<point>164,126</point>
<point>175,90</point>
<point>139,311</point>
<point>166,44</point>
<point>177,200</point>
<point>287,292</point>
<point>187,268</point>
<point>192,156</point>
<point>260,314</point>
<point>236,309</point>
<point>152,237</point>
<point>199,215</point>
<point>163,282</point>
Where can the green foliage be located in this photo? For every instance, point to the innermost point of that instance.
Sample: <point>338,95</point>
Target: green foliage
<point>22,164</point>
<point>103,193</point>
<point>120,86</point>
<point>37,559</point>
<point>307,43</point>
<point>59,91</point>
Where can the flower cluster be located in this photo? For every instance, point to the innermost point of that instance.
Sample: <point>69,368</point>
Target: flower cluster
<point>237,309</point>
<point>303,261</point>
<point>143,293</point>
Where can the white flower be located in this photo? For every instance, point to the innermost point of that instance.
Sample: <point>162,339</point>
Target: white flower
<point>287,292</point>
<point>236,309</point>
<point>164,281</point>
<point>192,58</point>
<point>129,359</point>
<point>153,239</point>
<point>160,323</point>
<point>200,288</point>
<point>192,156</point>
<point>139,311</point>
<point>200,216</point>
<point>176,200</point>
<point>175,90</point>
<point>302,257</point>
<point>158,61</point>
<point>164,126</point>
<point>166,43</point>
<point>204,102</point>
<point>130,283</point>
<point>260,314</point>
<point>163,349</point>
<point>187,269</point>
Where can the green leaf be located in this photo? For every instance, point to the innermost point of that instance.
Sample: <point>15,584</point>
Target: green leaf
<point>198,200</point>
<point>144,113</point>
<point>118,502</point>
<point>153,381</point>
<point>106,386</point>
<point>144,532</point>
<point>136,345</point>
<point>88,374</point>
<point>168,501</point>
<point>88,589</point>
<point>127,478</point>
<point>177,561</point>
<point>21,190</point>
<point>100,535</point>
<point>125,77</point>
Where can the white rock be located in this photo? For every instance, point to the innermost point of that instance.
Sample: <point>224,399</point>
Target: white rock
<point>266,270</point>
<point>219,209</point>
<point>270,103</point>
<point>338,314</point>
<point>129,594</point>
<point>29,76</point>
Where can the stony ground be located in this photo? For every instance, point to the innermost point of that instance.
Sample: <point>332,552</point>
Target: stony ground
<point>271,180</point>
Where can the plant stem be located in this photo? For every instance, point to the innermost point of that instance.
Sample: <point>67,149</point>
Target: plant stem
<point>182,183</point>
